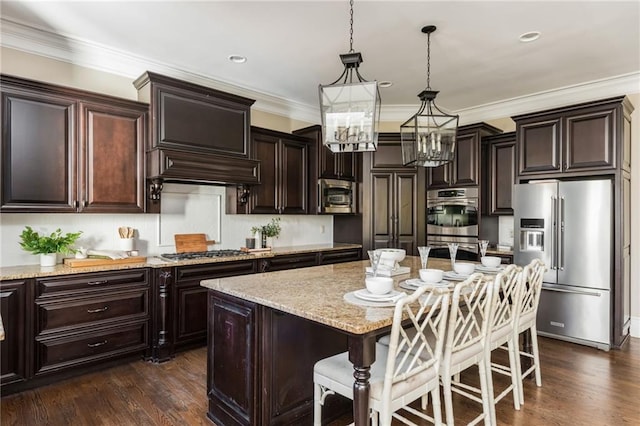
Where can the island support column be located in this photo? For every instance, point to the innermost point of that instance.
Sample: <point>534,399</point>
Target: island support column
<point>362,353</point>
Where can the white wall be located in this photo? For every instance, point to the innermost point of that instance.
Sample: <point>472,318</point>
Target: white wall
<point>154,232</point>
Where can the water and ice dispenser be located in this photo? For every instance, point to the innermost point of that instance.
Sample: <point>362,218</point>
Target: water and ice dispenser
<point>531,234</point>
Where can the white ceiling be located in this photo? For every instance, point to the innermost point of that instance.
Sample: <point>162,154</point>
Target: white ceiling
<point>477,61</point>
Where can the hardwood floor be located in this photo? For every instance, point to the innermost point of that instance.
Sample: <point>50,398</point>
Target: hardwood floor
<point>581,386</point>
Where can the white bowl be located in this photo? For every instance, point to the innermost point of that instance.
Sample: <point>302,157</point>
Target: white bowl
<point>490,261</point>
<point>391,254</point>
<point>379,285</point>
<point>431,275</point>
<point>463,268</point>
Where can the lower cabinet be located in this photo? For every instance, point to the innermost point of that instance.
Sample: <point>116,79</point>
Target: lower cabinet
<point>16,320</point>
<point>290,261</point>
<point>259,371</point>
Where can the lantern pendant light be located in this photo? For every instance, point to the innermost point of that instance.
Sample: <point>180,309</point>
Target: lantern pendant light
<point>429,137</point>
<point>350,109</point>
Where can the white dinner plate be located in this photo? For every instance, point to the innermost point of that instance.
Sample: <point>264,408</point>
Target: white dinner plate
<point>481,268</point>
<point>417,282</point>
<point>451,275</point>
<point>365,294</point>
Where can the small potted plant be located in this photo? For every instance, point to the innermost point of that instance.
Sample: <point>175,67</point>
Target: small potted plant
<point>269,231</point>
<point>251,242</point>
<point>48,246</point>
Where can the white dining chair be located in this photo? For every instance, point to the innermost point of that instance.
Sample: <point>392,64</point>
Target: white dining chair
<point>528,309</point>
<point>508,285</point>
<point>466,343</point>
<point>404,370</point>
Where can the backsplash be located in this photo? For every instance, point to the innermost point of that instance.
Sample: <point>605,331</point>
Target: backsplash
<point>505,230</point>
<point>186,209</point>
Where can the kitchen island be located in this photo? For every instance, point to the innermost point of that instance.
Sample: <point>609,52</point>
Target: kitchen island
<point>267,330</point>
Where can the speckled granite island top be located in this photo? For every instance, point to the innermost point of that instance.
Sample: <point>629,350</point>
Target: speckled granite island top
<point>36,271</point>
<point>316,293</point>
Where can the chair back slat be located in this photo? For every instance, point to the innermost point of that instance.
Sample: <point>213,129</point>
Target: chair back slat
<point>508,285</point>
<point>532,287</point>
<point>471,309</point>
<point>417,337</point>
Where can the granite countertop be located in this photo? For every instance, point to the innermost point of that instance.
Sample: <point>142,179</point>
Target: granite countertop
<point>37,271</point>
<point>296,291</point>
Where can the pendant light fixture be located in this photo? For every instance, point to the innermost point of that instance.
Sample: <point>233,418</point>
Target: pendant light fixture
<point>350,109</point>
<point>429,137</point>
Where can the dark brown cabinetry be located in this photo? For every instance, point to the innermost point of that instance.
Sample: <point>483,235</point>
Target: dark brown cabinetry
<point>283,171</point>
<point>86,319</point>
<point>499,173</point>
<point>180,304</point>
<point>329,165</point>
<point>256,341</point>
<point>580,140</point>
<point>464,170</point>
<point>393,197</point>
<point>88,150</point>
<point>15,351</point>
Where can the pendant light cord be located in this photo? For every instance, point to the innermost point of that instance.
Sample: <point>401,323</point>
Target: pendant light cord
<point>351,27</point>
<point>428,61</point>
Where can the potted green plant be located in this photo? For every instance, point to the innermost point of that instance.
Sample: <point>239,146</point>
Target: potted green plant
<point>269,231</point>
<point>48,246</point>
<point>251,242</point>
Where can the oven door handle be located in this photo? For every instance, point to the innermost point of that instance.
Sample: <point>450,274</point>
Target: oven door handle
<point>455,203</point>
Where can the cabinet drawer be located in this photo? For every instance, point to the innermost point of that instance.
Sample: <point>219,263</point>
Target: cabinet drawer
<point>339,256</point>
<point>89,311</point>
<point>53,354</point>
<point>280,263</point>
<point>90,283</point>
<point>217,270</point>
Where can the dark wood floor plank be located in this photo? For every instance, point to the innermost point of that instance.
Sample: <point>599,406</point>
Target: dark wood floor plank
<point>581,386</point>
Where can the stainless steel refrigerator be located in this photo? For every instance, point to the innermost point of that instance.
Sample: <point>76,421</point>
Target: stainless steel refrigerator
<point>569,226</point>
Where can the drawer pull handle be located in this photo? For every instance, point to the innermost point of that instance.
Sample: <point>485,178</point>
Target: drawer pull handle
<point>95,345</point>
<point>95,311</point>
<point>97,282</point>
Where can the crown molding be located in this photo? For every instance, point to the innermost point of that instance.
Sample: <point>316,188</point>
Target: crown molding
<point>96,56</point>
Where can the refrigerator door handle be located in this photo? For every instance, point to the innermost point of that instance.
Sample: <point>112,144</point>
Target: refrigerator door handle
<point>559,290</point>
<point>561,236</point>
<point>553,234</point>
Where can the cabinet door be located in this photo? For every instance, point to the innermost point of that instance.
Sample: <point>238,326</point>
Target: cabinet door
<point>265,197</point>
<point>439,177</point>
<point>589,140</point>
<point>15,320</point>
<point>466,162</point>
<point>345,164</point>
<point>112,159</point>
<point>38,151</point>
<point>539,146</point>
<point>406,211</point>
<point>382,199</point>
<point>327,165</point>
<point>502,176</point>
<point>294,180</point>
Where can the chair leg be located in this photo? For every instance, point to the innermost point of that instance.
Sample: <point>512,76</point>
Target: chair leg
<point>424,401</point>
<point>536,355</point>
<point>448,399</point>
<point>514,373</point>
<point>437,409</point>
<point>374,418</point>
<point>317,405</point>
<point>486,388</point>
<point>519,369</point>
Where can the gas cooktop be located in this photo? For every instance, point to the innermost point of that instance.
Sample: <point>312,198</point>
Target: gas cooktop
<point>202,254</point>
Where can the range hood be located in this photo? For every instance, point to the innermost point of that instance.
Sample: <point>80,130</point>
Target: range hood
<point>197,134</point>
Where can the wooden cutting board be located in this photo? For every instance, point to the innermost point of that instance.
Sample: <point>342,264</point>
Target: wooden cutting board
<point>79,263</point>
<point>186,243</point>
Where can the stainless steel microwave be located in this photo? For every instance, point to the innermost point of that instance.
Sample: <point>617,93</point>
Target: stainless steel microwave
<point>336,196</point>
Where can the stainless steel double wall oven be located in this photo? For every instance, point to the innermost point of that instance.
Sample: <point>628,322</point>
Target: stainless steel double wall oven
<point>452,217</point>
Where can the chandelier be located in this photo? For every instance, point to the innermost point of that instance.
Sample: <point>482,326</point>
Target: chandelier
<point>429,137</point>
<point>350,109</point>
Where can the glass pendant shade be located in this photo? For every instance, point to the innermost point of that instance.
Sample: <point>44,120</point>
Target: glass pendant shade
<point>350,116</point>
<point>429,137</point>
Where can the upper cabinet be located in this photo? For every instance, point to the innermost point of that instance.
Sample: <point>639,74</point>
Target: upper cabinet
<point>65,150</point>
<point>577,140</point>
<point>283,172</point>
<point>499,173</point>
<point>329,165</point>
<point>464,170</point>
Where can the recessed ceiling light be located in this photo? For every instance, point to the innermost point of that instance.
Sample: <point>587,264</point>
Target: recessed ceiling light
<point>529,36</point>
<point>238,59</point>
<point>385,84</point>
